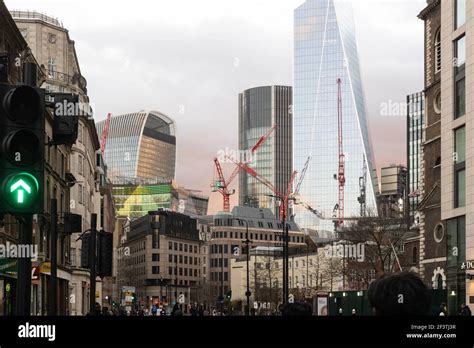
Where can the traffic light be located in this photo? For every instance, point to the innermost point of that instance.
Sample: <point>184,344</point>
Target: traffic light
<point>22,131</point>
<point>72,223</point>
<point>85,251</point>
<point>66,119</point>
<point>105,254</point>
<point>4,67</point>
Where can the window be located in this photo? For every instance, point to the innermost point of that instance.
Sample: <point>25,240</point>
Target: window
<point>415,255</point>
<point>439,233</point>
<point>170,258</point>
<point>437,46</point>
<point>460,8</point>
<point>460,167</point>
<point>460,77</point>
<point>156,257</point>
<point>437,103</point>
<point>80,164</point>
<point>155,270</point>
<point>170,245</point>
<point>51,67</point>
<point>80,193</point>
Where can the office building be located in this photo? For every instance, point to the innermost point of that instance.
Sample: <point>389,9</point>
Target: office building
<point>415,118</point>
<point>228,233</point>
<point>311,271</point>
<point>140,145</point>
<point>325,50</point>
<point>82,174</point>
<point>166,259</point>
<point>392,191</point>
<point>260,109</point>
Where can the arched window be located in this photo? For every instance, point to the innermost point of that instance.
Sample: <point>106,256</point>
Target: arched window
<point>439,282</point>
<point>437,45</point>
<point>415,255</point>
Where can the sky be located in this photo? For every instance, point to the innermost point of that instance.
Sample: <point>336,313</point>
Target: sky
<point>190,59</point>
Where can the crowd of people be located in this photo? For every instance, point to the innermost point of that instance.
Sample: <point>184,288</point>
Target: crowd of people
<point>402,294</point>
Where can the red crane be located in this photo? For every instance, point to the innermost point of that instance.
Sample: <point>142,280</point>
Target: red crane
<point>221,185</point>
<point>341,178</point>
<point>284,197</point>
<point>105,133</point>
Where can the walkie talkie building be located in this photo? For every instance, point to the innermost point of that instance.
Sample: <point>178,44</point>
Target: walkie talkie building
<point>325,50</point>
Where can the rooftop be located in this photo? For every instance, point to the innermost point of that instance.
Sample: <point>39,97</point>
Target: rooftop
<point>36,15</point>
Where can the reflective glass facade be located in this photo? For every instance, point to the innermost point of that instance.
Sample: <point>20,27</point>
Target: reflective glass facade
<point>416,110</point>
<point>259,109</point>
<point>140,145</point>
<point>135,201</point>
<point>325,50</point>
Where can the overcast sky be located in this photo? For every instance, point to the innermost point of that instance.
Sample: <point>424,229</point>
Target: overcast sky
<point>190,59</point>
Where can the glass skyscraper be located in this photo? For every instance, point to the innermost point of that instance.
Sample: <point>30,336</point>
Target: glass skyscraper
<point>325,50</point>
<point>140,155</point>
<point>260,109</point>
<point>140,145</point>
<point>416,109</point>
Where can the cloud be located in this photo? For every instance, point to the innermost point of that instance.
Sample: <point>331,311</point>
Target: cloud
<point>179,57</point>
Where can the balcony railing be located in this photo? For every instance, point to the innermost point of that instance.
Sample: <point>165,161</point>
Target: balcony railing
<point>25,14</point>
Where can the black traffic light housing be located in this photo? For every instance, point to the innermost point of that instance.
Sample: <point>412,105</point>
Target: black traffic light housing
<point>22,129</point>
<point>85,251</point>
<point>72,223</point>
<point>66,122</point>
<point>105,253</point>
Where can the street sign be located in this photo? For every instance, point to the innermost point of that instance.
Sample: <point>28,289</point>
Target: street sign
<point>468,265</point>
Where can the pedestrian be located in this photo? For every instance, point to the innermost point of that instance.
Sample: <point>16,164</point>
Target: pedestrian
<point>354,313</point>
<point>402,294</point>
<point>154,310</point>
<point>296,309</point>
<point>442,310</point>
<point>340,312</point>
<point>465,310</point>
<point>177,311</point>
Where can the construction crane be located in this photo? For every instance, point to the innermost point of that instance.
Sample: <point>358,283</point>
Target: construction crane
<point>222,185</point>
<point>341,178</point>
<point>105,133</point>
<point>283,197</point>
<point>284,206</point>
<point>363,189</point>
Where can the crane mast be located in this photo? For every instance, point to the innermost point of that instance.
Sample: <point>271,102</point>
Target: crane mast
<point>341,168</point>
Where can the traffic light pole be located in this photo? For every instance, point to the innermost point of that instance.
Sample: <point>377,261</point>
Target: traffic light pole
<point>92,263</point>
<point>23,287</point>
<point>53,283</point>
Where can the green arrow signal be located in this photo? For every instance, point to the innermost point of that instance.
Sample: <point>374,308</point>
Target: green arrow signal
<point>20,186</point>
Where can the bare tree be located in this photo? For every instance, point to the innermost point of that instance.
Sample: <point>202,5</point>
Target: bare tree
<point>381,238</point>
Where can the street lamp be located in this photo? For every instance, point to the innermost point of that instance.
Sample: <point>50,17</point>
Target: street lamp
<point>247,242</point>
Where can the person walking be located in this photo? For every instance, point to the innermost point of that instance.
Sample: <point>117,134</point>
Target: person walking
<point>465,311</point>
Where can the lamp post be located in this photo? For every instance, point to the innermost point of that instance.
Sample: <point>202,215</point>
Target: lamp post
<point>247,243</point>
